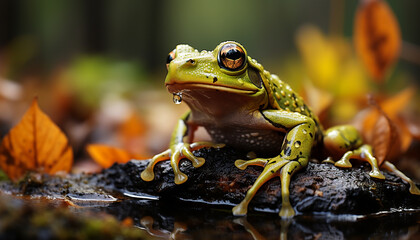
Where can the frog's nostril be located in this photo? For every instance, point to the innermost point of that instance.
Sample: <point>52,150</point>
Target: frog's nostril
<point>191,61</point>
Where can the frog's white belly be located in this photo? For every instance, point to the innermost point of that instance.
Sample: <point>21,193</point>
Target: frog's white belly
<point>260,141</point>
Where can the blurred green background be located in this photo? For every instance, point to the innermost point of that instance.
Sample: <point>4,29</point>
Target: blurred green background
<point>41,34</point>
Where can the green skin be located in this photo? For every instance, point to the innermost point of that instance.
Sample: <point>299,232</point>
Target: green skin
<point>250,109</point>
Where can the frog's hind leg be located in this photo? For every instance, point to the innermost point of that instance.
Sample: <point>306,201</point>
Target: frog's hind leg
<point>270,170</point>
<point>286,174</point>
<point>362,153</point>
<point>391,167</point>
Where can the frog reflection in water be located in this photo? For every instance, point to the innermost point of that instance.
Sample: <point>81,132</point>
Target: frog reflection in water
<point>244,106</point>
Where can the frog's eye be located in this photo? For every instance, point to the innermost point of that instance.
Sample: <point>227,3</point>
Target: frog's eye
<point>171,56</point>
<point>231,57</point>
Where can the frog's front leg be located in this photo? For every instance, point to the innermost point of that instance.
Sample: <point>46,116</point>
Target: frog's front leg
<point>294,155</point>
<point>178,150</point>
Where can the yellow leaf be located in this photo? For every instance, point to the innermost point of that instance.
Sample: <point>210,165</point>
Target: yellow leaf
<point>36,144</point>
<point>377,37</point>
<point>106,155</point>
<point>319,55</point>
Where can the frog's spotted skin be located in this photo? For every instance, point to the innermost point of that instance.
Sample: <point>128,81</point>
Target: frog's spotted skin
<point>244,106</point>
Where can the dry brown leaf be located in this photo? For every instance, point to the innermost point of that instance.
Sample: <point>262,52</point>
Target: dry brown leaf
<point>391,106</point>
<point>384,138</point>
<point>389,136</point>
<point>36,144</point>
<point>377,37</point>
<point>106,155</point>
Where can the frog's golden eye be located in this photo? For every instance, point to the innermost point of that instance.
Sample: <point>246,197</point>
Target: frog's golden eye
<point>171,56</point>
<point>231,57</point>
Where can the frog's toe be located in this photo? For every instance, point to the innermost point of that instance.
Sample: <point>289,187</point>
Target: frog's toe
<point>414,189</point>
<point>287,211</point>
<point>196,161</point>
<point>180,178</point>
<point>344,163</point>
<point>376,174</point>
<point>240,210</point>
<point>147,174</point>
<point>241,164</point>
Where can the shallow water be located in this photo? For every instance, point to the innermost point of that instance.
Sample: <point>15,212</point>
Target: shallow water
<point>188,220</point>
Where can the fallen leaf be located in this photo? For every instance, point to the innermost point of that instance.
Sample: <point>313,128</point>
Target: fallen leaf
<point>106,155</point>
<point>384,137</point>
<point>386,131</point>
<point>391,106</point>
<point>131,134</point>
<point>377,37</point>
<point>35,144</point>
<point>127,222</point>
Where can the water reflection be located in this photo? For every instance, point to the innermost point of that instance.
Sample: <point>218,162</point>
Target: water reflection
<point>179,220</point>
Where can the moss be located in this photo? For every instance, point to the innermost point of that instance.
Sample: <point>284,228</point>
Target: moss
<point>28,220</point>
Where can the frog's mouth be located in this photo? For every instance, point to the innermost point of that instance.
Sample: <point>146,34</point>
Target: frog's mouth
<point>177,87</point>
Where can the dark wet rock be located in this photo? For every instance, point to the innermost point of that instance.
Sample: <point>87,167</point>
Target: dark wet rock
<point>318,188</point>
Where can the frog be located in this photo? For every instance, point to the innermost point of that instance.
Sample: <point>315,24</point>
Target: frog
<point>244,106</point>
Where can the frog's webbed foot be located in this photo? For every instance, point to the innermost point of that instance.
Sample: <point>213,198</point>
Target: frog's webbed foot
<point>175,154</point>
<point>391,167</point>
<point>363,153</point>
<point>271,169</point>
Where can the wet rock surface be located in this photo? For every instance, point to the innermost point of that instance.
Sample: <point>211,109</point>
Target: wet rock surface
<point>318,188</point>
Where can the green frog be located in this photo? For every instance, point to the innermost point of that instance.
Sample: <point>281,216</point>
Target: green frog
<point>244,106</point>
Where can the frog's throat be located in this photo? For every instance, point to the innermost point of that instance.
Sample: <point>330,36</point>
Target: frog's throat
<point>177,87</point>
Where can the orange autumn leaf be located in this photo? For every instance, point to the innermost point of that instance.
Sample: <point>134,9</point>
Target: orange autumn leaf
<point>106,155</point>
<point>35,144</point>
<point>131,134</point>
<point>377,37</point>
<point>391,106</point>
<point>127,222</point>
<point>133,127</point>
